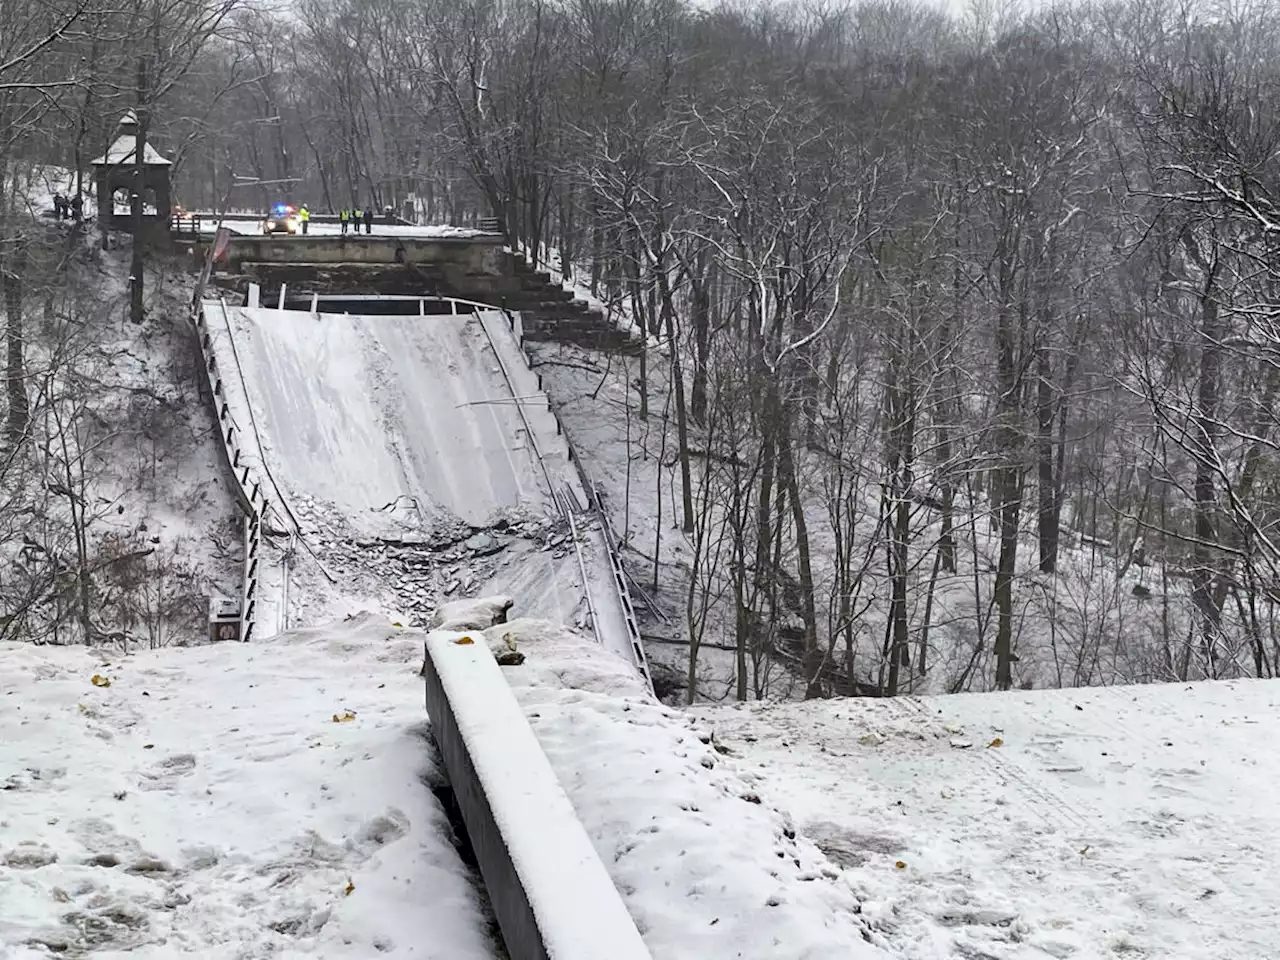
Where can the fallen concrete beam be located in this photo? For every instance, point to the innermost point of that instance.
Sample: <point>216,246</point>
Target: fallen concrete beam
<point>551,894</point>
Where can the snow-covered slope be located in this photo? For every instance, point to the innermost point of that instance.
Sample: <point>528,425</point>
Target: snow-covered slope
<point>227,802</point>
<point>1118,822</point>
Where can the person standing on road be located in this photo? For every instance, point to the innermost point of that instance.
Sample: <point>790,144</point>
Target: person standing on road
<point>355,221</point>
<point>304,215</point>
<point>344,218</point>
<point>368,220</point>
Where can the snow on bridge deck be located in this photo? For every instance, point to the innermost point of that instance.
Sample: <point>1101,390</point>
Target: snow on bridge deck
<point>363,411</point>
<point>250,226</point>
<point>397,424</point>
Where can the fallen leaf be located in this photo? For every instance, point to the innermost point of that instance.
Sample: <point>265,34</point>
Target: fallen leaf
<point>344,718</point>
<point>348,889</point>
<point>397,623</point>
<point>464,641</point>
<point>98,680</point>
<point>997,742</point>
<point>148,746</point>
<point>901,865</point>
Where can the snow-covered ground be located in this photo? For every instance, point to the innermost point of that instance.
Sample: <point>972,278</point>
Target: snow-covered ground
<point>707,870</point>
<point>116,407</point>
<point>228,802</point>
<point>1127,822</point>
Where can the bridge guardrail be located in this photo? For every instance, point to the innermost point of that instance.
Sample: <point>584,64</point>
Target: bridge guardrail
<point>247,491</point>
<point>618,575</point>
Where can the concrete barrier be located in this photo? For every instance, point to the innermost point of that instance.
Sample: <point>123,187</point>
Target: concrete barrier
<point>551,894</point>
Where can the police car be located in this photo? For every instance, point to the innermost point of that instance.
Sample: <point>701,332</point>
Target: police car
<point>282,219</point>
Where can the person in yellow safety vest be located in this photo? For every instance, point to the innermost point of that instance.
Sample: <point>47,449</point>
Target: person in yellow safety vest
<point>344,217</point>
<point>304,215</point>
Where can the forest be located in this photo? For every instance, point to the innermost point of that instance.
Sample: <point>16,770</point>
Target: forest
<point>964,323</point>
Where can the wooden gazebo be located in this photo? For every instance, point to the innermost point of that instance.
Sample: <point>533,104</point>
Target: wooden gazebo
<point>115,171</point>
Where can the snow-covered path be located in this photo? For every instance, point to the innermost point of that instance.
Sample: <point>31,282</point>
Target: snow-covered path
<point>207,803</point>
<point>1120,822</point>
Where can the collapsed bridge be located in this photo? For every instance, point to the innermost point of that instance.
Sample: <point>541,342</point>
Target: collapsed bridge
<point>355,420</point>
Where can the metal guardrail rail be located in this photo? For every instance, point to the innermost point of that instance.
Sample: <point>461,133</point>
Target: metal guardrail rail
<point>618,576</point>
<point>615,559</point>
<point>247,490</point>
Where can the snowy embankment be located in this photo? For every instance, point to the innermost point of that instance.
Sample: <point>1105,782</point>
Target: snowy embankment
<point>1118,822</point>
<point>228,801</point>
<point>706,869</point>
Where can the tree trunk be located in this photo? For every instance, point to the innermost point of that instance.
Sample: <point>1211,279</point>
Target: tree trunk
<point>1006,484</point>
<point>19,414</point>
<point>901,409</point>
<point>1047,519</point>
<point>812,651</point>
<point>701,338</point>
<point>1205,448</point>
<point>682,414</point>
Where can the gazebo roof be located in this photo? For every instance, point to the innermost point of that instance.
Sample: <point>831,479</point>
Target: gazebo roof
<point>125,148</point>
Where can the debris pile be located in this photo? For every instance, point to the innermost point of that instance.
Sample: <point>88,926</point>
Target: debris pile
<point>415,569</point>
